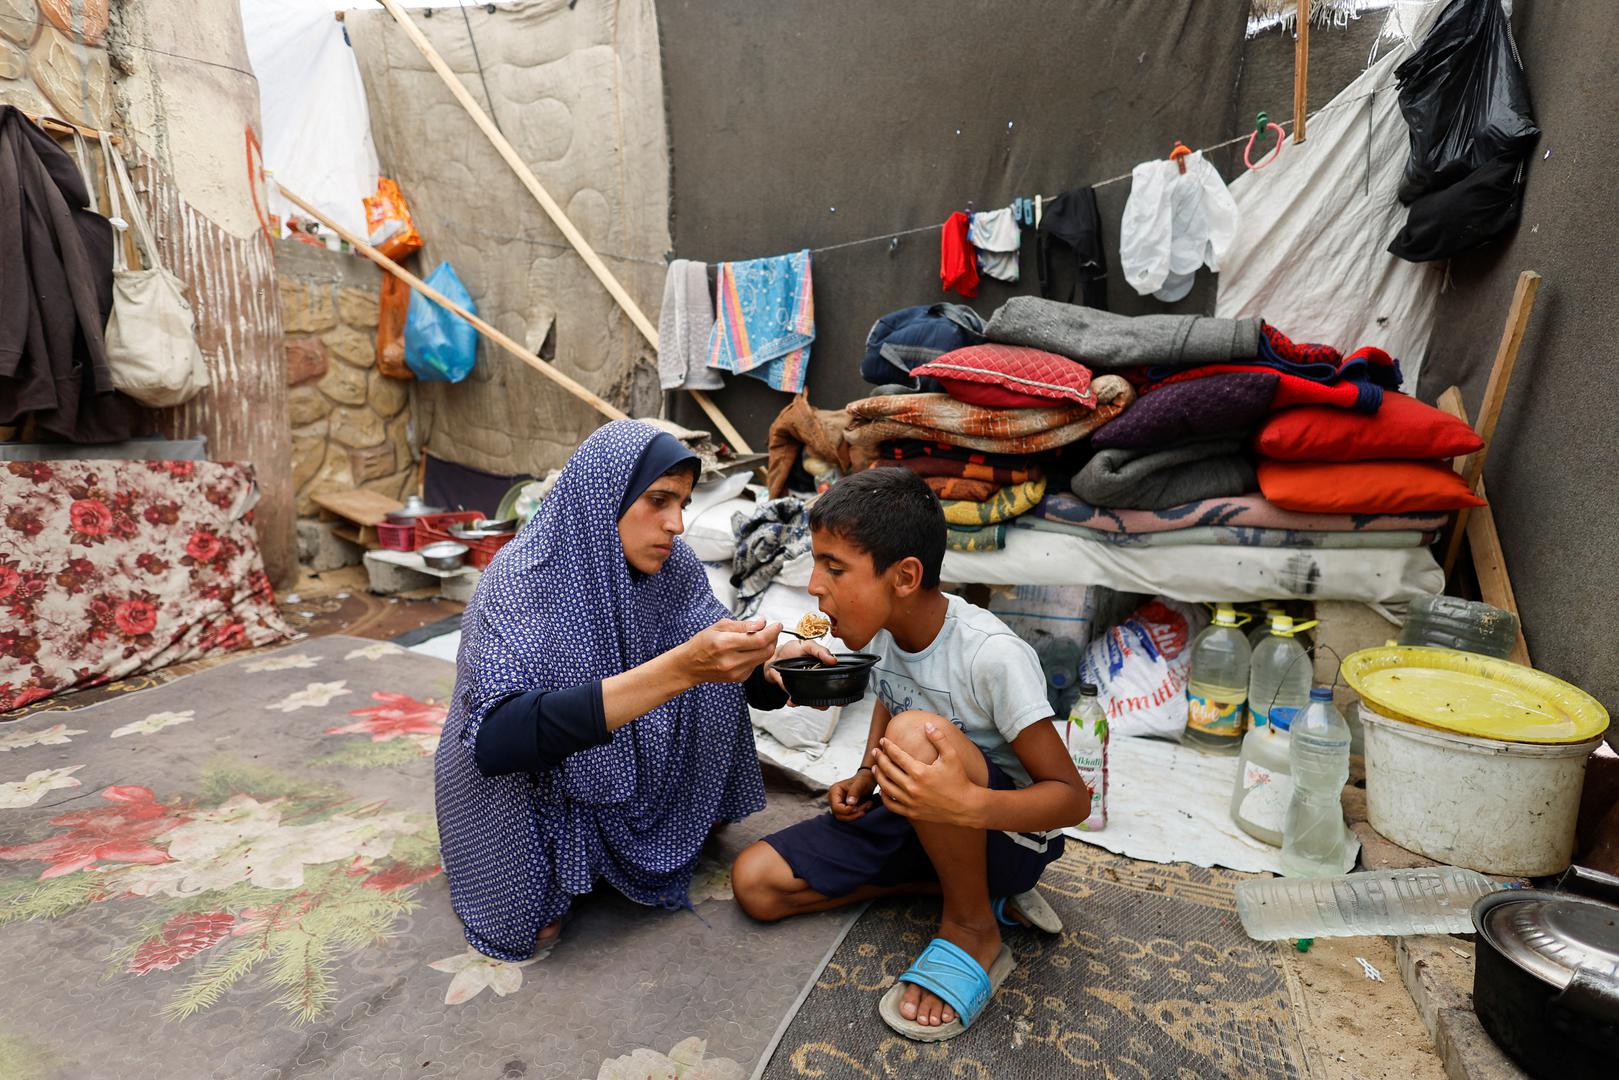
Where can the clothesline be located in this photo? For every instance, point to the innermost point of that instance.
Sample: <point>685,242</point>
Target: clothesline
<point>1285,124</point>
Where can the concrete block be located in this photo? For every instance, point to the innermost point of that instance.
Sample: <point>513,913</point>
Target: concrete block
<point>403,571</point>
<point>319,548</point>
<point>1438,973</point>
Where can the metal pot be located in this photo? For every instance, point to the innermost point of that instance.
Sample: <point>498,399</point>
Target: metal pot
<point>1546,981</point>
<point>444,555</point>
<point>413,509</point>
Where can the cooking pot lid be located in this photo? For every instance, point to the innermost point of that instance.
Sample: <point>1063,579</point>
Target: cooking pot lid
<point>1554,939</point>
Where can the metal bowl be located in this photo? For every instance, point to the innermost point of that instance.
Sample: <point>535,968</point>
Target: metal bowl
<point>444,555</point>
<point>413,509</point>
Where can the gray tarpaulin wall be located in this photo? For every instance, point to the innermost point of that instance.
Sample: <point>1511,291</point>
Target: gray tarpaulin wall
<point>579,94</point>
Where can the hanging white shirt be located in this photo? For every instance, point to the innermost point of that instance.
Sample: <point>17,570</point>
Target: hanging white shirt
<point>1173,224</point>
<point>997,237</point>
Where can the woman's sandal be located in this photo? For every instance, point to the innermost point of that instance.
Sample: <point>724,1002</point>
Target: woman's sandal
<point>948,971</point>
<point>1033,907</point>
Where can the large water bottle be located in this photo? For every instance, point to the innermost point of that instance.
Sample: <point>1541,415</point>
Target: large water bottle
<point>1264,787</point>
<point>1217,685</point>
<point>1059,659</point>
<point>1432,900</point>
<point>1313,834</point>
<point>1268,609</point>
<point>1280,675</point>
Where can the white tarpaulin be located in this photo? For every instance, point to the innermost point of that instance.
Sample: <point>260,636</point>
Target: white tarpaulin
<point>1312,256</point>
<point>317,128</point>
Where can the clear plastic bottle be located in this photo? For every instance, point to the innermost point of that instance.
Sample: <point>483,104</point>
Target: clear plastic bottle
<point>1217,686</point>
<point>1264,787</point>
<point>1059,658</point>
<point>1269,609</point>
<point>1313,831</point>
<point>1431,900</point>
<point>1085,735</point>
<point>1280,675</point>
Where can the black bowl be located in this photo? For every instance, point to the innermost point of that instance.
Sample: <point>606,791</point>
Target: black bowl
<point>818,685</point>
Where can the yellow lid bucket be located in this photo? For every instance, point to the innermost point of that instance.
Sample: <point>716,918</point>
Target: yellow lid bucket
<point>1472,694</point>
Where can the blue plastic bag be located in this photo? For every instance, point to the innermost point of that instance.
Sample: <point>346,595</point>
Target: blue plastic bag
<point>440,345</point>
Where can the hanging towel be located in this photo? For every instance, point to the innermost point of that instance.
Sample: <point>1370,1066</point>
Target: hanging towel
<point>958,265</point>
<point>765,320</point>
<point>997,237</point>
<point>684,326</point>
<point>1175,222</point>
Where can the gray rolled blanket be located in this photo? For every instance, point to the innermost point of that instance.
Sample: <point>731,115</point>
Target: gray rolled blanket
<point>1160,479</point>
<point>1104,341</point>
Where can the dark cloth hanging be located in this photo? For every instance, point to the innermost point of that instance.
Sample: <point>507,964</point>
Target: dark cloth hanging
<point>55,292</point>
<point>1072,220</point>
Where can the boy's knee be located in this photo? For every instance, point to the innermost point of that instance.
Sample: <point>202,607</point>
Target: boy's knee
<point>909,730</point>
<point>760,878</point>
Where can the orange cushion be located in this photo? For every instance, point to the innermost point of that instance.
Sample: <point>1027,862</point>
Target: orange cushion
<point>1403,428</point>
<point>1364,487</point>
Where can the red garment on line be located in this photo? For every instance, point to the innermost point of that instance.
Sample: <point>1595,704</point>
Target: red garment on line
<point>958,259</point>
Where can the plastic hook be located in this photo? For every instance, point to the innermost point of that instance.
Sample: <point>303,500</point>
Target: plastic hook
<point>1179,154</point>
<point>1261,124</point>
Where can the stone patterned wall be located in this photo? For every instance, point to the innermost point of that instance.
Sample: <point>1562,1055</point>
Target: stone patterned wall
<point>350,423</point>
<point>53,59</point>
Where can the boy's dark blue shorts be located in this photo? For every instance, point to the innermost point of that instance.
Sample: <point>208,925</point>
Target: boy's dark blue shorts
<point>881,848</point>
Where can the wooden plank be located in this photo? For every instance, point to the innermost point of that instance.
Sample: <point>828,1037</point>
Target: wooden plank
<point>362,506</point>
<point>1495,394</point>
<point>1489,558</point>
<point>1301,69</point>
<point>552,210</point>
<point>612,412</point>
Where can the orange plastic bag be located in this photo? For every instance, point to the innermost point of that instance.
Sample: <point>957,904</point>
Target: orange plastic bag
<point>387,219</point>
<point>392,305</point>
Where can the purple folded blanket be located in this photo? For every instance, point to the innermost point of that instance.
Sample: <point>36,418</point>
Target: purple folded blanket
<point>1253,511</point>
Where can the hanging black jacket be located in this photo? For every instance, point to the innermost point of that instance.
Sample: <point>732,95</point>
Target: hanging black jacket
<point>55,292</point>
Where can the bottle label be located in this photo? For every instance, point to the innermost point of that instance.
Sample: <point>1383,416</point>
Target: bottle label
<point>1265,797</point>
<point>1212,717</point>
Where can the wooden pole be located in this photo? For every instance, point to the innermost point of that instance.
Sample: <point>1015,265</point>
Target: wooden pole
<point>1489,558</point>
<point>607,409</point>
<point>552,210</point>
<point>1301,69</point>
<point>1495,394</point>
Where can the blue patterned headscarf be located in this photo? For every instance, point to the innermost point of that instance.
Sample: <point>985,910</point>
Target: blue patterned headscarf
<point>559,607</point>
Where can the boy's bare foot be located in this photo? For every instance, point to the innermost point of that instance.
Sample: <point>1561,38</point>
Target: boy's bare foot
<point>982,943</point>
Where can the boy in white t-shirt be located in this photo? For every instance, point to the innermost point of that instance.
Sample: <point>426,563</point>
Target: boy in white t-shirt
<point>975,781</point>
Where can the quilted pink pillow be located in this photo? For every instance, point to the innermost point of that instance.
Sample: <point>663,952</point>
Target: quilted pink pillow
<point>1010,376</point>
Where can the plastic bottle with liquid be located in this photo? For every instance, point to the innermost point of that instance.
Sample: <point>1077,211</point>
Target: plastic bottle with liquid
<point>1268,609</point>
<point>1313,833</point>
<point>1264,786</point>
<point>1085,735</point>
<point>1217,685</point>
<point>1430,900</point>
<point>1280,674</point>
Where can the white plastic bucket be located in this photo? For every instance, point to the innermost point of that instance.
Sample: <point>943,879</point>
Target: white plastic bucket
<point>1496,807</point>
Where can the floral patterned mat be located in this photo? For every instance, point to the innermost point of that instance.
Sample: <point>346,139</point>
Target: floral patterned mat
<point>236,874</point>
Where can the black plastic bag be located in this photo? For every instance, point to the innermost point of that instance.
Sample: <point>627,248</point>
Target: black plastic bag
<point>1466,215</point>
<point>1464,96</point>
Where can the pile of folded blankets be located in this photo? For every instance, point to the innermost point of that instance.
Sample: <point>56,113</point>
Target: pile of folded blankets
<point>1147,430</point>
<point>980,422</point>
<point>1239,435</point>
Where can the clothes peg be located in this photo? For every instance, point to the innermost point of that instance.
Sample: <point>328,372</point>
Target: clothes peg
<point>1261,125</point>
<point>1179,154</point>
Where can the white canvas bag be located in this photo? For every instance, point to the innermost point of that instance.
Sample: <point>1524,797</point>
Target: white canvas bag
<point>151,335</point>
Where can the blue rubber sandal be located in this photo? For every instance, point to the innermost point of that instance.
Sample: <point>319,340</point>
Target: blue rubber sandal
<point>948,971</point>
<point>1032,906</point>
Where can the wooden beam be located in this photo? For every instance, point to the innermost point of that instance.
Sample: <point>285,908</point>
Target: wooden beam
<point>606,408</point>
<point>1301,69</point>
<point>553,210</point>
<point>1489,558</point>
<point>1495,395</point>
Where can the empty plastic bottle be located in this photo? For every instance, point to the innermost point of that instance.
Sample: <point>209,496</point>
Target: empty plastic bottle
<point>1217,686</point>
<point>1432,900</point>
<point>1313,832</point>
<point>1264,787</point>
<point>1280,674</point>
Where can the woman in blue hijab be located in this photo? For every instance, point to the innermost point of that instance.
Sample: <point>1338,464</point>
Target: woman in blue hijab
<point>598,730</point>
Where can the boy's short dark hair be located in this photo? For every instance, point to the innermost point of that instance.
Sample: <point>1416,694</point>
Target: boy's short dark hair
<point>888,513</point>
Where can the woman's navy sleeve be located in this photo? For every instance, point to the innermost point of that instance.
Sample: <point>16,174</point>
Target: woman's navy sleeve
<point>762,693</point>
<point>534,731</point>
